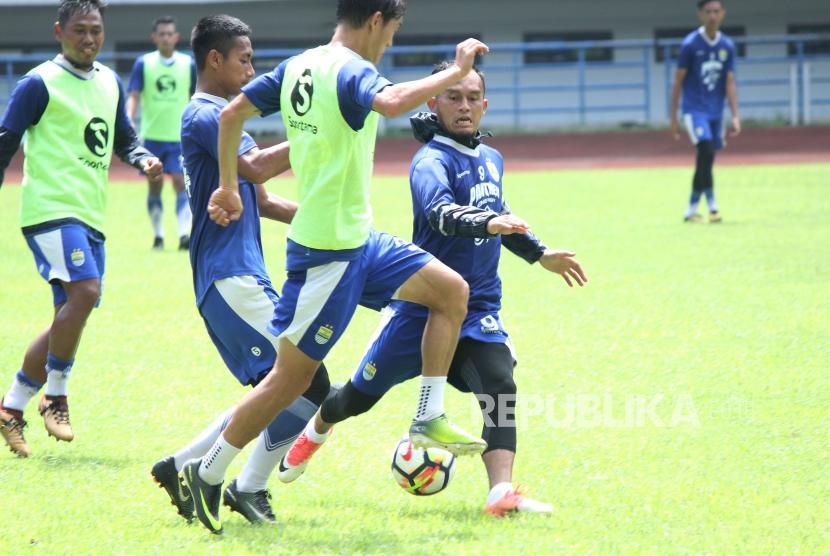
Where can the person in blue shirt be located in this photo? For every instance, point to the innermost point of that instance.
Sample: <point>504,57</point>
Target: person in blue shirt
<point>170,78</point>
<point>461,217</point>
<point>233,290</point>
<point>706,76</point>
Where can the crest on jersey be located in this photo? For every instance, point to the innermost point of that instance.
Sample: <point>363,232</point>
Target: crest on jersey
<point>723,54</point>
<point>494,171</point>
<point>324,334</point>
<point>369,371</point>
<point>77,257</point>
<point>302,93</point>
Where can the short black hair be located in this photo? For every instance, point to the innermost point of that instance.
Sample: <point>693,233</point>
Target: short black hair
<point>69,8</point>
<point>163,20</point>
<point>215,32</point>
<point>447,64</point>
<point>702,3</point>
<point>357,12</point>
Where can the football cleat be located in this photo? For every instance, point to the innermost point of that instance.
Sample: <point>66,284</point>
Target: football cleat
<point>11,427</point>
<point>165,475</point>
<point>158,244</point>
<point>514,501</point>
<point>440,433</point>
<point>715,217</point>
<point>55,412</point>
<point>254,506</point>
<point>206,497</point>
<point>184,243</point>
<point>692,218</point>
<point>296,459</point>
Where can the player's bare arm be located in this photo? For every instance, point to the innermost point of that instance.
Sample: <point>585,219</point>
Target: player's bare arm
<point>260,165</point>
<point>274,207</point>
<point>732,97</point>
<point>132,106</point>
<point>397,99</point>
<point>679,76</point>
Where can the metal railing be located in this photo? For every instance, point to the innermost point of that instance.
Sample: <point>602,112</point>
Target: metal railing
<point>584,91</point>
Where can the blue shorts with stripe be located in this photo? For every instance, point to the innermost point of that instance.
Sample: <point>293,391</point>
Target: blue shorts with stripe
<point>701,127</point>
<point>169,152</point>
<point>67,252</point>
<point>237,311</point>
<point>393,355</point>
<point>324,288</point>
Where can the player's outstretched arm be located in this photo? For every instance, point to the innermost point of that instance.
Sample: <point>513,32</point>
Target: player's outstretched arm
<point>260,165</point>
<point>397,99</point>
<point>679,76</point>
<point>732,97</point>
<point>226,202</point>
<point>275,207</point>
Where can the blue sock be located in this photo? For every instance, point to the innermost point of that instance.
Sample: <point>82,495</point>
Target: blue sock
<point>710,198</point>
<point>181,201</point>
<point>694,200</point>
<point>155,209</point>
<point>57,375</point>
<point>23,389</point>
<point>27,380</point>
<point>184,217</point>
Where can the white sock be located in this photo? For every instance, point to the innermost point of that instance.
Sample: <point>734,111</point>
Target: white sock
<point>57,383</point>
<point>315,436</point>
<point>215,463</point>
<point>199,446</point>
<point>19,394</point>
<point>184,219</point>
<point>156,214</point>
<point>498,490</point>
<point>692,210</point>
<point>431,399</point>
<point>254,476</point>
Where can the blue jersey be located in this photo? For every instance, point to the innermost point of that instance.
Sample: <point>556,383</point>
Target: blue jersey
<point>707,63</point>
<point>217,252</point>
<point>446,172</point>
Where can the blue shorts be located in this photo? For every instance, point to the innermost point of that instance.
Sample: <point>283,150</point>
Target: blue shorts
<point>324,288</point>
<point>67,253</point>
<point>394,352</point>
<point>237,312</point>
<point>170,154</point>
<point>703,128</point>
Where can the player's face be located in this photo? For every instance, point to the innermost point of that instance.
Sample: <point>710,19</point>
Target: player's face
<point>461,106</point>
<point>81,38</point>
<point>711,15</point>
<point>165,37</point>
<point>382,37</point>
<point>237,68</point>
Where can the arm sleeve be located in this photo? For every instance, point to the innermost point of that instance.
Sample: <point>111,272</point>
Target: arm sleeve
<point>246,144</point>
<point>357,84</point>
<point>432,196</point>
<point>136,82</point>
<point>685,56</point>
<point>126,144</point>
<point>9,143</point>
<point>203,130</point>
<point>526,246</point>
<point>264,91</point>
<point>26,105</point>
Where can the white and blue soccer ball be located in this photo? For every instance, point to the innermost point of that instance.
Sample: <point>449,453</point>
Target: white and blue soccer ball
<point>421,472</point>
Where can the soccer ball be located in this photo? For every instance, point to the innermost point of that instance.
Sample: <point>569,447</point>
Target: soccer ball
<point>421,472</point>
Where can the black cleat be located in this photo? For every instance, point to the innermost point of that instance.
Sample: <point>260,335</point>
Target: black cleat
<point>158,244</point>
<point>165,475</point>
<point>206,497</point>
<point>184,243</point>
<point>254,506</point>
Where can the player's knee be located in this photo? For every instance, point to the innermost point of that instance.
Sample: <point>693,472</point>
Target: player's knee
<point>84,295</point>
<point>319,387</point>
<point>455,297</point>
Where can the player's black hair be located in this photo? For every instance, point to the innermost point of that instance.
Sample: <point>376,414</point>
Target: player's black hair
<point>69,8</point>
<point>702,3</point>
<point>163,20</point>
<point>215,32</point>
<point>446,64</point>
<point>356,12</point>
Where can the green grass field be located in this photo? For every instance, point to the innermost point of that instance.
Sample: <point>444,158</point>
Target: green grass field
<point>686,387</point>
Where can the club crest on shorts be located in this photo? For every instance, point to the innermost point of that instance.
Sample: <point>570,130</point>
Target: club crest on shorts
<point>77,257</point>
<point>369,371</point>
<point>324,334</point>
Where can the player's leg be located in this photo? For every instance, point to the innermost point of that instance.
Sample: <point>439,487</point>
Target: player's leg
<point>701,136</point>
<point>400,270</point>
<point>184,218</point>
<point>392,356</point>
<point>718,143</point>
<point>155,209</point>
<point>486,369</point>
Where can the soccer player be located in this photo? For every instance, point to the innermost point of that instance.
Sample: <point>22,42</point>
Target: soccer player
<point>330,97</point>
<point>461,217</point>
<point>161,83</point>
<point>706,75</point>
<point>233,290</point>
<point>72,111</point>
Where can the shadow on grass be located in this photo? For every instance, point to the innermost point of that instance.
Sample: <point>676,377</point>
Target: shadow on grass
<point>84,461</point>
